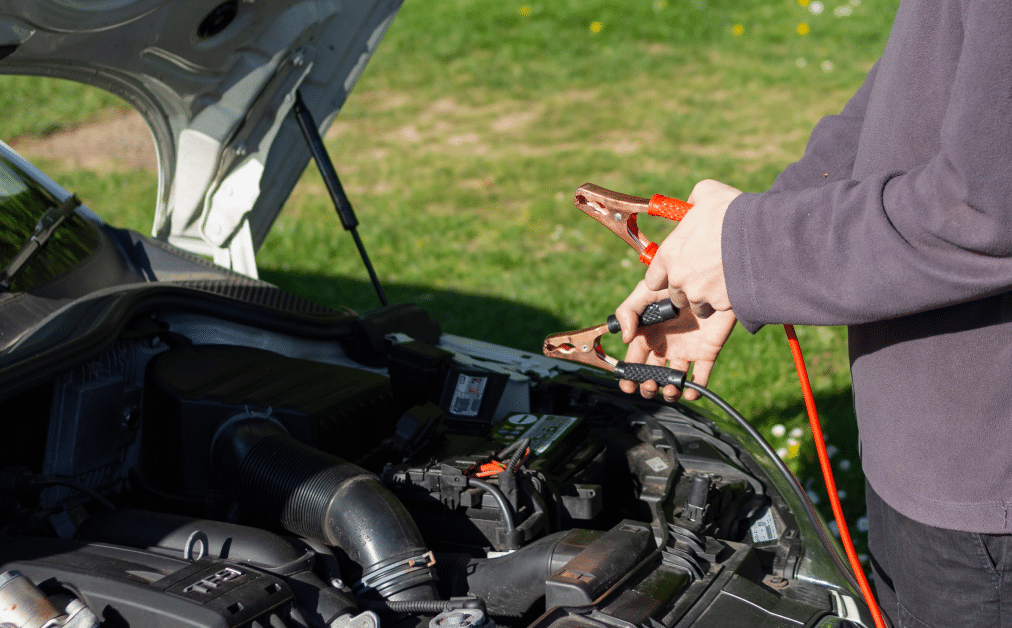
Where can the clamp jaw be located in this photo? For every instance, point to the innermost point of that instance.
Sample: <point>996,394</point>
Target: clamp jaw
<point>584,346</point>
<point>618,212</point>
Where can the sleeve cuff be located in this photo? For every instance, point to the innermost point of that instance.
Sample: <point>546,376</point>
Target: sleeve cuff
<point>738,273</point>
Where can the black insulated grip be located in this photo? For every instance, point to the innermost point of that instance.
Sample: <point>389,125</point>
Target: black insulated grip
<point>654,313</point>
<point>639,373</point>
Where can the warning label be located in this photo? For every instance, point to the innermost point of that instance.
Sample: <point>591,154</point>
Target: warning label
<point>657,464</point>
<point>467,395</point>
<point>547,431</point>
<point>764,529</point>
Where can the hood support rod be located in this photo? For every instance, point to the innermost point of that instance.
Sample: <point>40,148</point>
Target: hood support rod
<point>326,168</point>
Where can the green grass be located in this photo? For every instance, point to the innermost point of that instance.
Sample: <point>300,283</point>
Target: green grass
<point>38,107</point>
<point>464,140</point>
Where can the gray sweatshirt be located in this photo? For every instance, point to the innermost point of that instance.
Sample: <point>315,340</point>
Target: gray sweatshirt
<point>897,222</point>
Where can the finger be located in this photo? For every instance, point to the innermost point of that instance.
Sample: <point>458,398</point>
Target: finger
<point>678,298</point>
<point>632,307</point>
<point>648,389</point>
<point>657,359</point>
<point>699,192</point>
<point>701,375</point>
<point>627,386</point>
<point>656,277</point>
<point>629,320</point>
<point>638,350</point>
<point>701,310</point>
<point>671,393</point>
<point>701,372</point>
<point>691,395</point>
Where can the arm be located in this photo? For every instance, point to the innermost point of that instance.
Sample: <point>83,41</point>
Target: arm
<point>921,224</point>
<point>924,222</point>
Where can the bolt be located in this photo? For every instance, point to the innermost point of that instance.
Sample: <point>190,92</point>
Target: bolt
<point>463,618</point>
<point>586,348</point>
<point>776,582</point>
<point>240,149</point>
<point>298,60</point>
<point>617,217</point>
<point>337,583</point>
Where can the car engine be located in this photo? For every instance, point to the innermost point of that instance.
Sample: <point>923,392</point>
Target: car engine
<point>211,468</point>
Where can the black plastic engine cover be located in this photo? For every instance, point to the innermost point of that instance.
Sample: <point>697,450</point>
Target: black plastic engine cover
<point>130,587</point>
<point>194,390</point>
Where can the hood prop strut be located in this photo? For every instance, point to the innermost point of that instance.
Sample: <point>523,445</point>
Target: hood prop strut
<point>326,168</point>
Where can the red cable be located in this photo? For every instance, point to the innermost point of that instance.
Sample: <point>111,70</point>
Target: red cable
<point>827,474</point>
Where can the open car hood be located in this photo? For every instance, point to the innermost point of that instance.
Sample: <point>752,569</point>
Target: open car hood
<point>216,83</point>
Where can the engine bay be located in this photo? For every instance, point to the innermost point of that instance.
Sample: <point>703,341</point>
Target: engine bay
<point>201,471</point>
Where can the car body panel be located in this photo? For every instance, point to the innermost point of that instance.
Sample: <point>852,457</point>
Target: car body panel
<point>217,102</point>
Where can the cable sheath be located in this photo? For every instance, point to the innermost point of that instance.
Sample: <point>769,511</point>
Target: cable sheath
<point>827,475</point>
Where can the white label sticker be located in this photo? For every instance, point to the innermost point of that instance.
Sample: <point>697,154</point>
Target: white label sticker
<point>523,419</point>
<point>764,529</point>
<point>547,431</point>
<point>657,464</point>
<point>467,396</point>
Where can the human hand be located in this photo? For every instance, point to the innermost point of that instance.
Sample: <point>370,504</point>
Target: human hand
<point>681,342</point>
<point>688,263</point>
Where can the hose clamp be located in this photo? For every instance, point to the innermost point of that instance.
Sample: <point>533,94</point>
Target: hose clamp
<point>385,573</point>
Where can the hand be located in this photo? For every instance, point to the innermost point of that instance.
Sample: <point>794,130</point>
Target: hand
<point>688,263</point>
<point>679,343</point>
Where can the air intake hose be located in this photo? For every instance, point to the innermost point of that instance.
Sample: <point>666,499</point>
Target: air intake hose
<point>320,496</point>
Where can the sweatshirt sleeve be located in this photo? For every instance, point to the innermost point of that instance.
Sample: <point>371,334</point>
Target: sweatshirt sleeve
<point>924,222</point>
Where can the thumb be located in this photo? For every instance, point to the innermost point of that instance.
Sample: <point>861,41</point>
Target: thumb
<point>656,277</point>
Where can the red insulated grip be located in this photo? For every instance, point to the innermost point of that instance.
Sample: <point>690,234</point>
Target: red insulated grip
<point>647,255</point>
<point>666,207</point>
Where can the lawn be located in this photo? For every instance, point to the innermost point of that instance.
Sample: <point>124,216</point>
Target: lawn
<point>476,120</point>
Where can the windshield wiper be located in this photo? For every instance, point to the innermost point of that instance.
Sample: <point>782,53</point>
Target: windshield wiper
<point>44,229</point>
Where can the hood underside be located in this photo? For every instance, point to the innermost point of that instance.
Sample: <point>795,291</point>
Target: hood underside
<point>216,83</point>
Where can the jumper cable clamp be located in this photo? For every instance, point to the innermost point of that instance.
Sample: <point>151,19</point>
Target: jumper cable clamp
<point>584,346</point>
<point>618,212</point>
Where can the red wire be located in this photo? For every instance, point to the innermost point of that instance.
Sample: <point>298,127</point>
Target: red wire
<point>827,474</point>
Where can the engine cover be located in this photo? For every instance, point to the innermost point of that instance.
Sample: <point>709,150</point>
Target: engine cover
<point>131,587</point>
<point>194,390</point>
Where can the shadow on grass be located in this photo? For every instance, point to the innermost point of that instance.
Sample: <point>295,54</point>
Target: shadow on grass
<point>492,319</point>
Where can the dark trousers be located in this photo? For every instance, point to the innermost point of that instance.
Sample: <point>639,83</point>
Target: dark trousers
<point>935,578</point>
